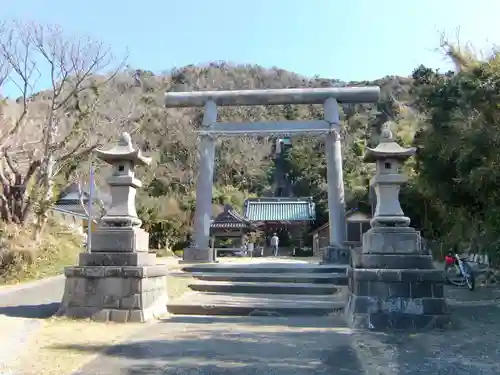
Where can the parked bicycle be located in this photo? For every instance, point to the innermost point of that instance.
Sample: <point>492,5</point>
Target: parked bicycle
<point>459,272</point>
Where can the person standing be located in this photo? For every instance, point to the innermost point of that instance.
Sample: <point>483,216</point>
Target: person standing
<point>250,248</point>
<point>274,244</point>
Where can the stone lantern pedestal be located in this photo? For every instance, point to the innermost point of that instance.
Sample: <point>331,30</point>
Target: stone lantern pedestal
<point>119,279</point>
<point>392,283</point>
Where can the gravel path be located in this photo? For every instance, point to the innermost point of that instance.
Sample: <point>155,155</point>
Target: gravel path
<point>302,346</point>
<point>15,333</point>
<point>21,309</point>
<point>263,345</point>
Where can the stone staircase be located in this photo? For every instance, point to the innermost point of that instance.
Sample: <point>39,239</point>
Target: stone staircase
<point>269,289</point>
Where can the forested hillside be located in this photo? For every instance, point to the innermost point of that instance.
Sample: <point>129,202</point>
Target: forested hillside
<point>46,138</point>
<point>243,165</point>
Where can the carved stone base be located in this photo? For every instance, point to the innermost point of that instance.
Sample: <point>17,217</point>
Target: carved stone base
<point>395,240</point>
<point>384,299</point>
<point>120,239</point>
<point>335,255</point>
<point>195,255</point>
<point>113,293</point>
<point>391,261</point>
<point>117,259</point>
<point>392,285</point>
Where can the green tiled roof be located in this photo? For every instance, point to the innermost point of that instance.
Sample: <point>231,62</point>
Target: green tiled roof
<point>279,209</point>
<point>229,219</point>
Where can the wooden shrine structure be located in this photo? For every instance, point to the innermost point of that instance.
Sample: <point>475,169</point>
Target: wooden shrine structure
<point>229,224</point>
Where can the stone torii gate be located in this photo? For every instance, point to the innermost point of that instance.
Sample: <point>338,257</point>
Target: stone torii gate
<point>330,126</point>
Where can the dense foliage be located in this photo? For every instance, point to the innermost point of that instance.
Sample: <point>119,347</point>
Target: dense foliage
<point>452,118</point>
<point>243,166</point>
<point>457,169</point>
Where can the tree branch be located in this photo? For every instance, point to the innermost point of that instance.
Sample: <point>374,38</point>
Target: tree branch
<point>75,153</point>
<point>10,162</point>
<point>3,179</point>
<point>31,171</point>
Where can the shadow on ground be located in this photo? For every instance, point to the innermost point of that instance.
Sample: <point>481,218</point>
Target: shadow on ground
<point>30,311</point>
<point>470,348</point>
<point>38,301</point>
<point>291,346</point>
<point>299,346</point>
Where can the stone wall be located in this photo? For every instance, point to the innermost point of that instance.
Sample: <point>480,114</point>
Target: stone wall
<point>397,298</point>
<point>332,254</point>
<point>111,293</point>
<point>395,290</point>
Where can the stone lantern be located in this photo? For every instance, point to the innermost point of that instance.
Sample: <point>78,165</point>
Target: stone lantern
<point>120,223</point>
<point>392,283</point>
<point>123,158</point>
<point>388,157</point>
<point>119,279</point>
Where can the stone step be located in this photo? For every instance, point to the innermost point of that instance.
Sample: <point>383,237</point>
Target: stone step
<point>264,288</point>
<point>267,268</point>
<point>310,278</point>
<point>196,303</point>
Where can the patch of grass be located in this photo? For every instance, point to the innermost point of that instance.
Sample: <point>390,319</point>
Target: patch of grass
<point>165,253</point>
<point>177,286</point>
<point>50,352</point>
<point>23,259</point>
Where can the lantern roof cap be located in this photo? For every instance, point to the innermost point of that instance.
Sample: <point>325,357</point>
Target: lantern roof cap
<point>123,150</point>
<point>388,148</point>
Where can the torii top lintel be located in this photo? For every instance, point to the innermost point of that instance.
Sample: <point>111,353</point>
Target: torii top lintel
<point>365,94</point>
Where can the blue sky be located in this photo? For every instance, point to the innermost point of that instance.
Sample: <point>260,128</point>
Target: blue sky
<point>347,40</point>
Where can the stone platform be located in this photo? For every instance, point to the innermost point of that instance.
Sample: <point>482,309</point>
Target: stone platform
<point>115,293</point>
<point>120,240</point>
<point>396,299</point>
<point>195,255</point>
<point>392,285</point>
<point>335,255</point>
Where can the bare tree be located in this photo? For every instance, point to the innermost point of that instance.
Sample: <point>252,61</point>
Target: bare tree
<point>4,66</point>
<point>51,129</point>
